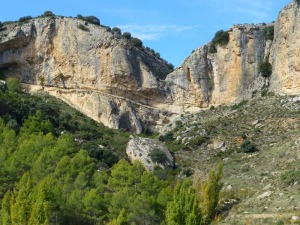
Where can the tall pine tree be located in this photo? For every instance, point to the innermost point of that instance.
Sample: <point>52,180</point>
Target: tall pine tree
<point>184,209</point>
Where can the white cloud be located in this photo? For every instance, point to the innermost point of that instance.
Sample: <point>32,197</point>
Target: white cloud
<point>153,31</point>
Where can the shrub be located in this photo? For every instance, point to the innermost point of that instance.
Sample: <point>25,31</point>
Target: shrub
<point>48,14</point>
<point>248,147</point>
<point>13,85</point>
<point>82,27</point>
<point>221,38</point>
<point>198,140</point>
<point>265,68</point>
<point>188,172</point>
<point>239,105</point>
<point>24,19</point>
<point>269,32</point>
<point>167,137</point>
<point>127,35</point>
<point>79,16</point>
<point>136,42</point>
<point>92,19</point>
<point>116,30</point>
<point>158,156</point>
<point>297,1</point>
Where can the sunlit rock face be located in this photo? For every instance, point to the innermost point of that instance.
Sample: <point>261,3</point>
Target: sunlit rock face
<point>94,70</point>
<point>231,74</point>
<point>286,51</point>
<point>124,87</point>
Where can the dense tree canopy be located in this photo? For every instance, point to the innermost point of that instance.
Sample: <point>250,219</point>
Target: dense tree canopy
<point>47,177</point>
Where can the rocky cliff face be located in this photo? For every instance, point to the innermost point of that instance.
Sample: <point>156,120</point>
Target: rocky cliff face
<point>286,51</point>
<point>231,74</point>
<point>223,77</point>
<point>108,79</point>
<point>94,70</point>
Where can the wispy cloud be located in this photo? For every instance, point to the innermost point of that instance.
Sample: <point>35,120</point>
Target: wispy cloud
<point>258,10</point>
<point>153,31</point>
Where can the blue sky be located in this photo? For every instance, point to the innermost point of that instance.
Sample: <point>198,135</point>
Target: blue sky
<point>171,27</point>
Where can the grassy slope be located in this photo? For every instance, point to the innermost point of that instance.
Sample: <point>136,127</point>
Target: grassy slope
<point>272,123</point>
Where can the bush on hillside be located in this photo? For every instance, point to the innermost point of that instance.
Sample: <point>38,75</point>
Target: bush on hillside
<point>24,19</point>
<point>79,16</point>
<point>116,30</point>
<point>158,156</point>
<point>92,19</point>
<point>248,147</point>
<point>136,42</point>
<point>48,14</point>
<point>198,140</point>
<point>265,69</point>
<point>220,38</point>
<point>127,35</point>
<point>13,85</point>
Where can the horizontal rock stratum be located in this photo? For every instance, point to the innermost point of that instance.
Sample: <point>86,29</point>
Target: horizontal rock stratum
<point>125,87</point>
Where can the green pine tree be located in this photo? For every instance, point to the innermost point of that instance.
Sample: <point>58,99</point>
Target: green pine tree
<point>40,212</point>
<point>184,209</point>
<point>20,210</point>
<point>5,209</point>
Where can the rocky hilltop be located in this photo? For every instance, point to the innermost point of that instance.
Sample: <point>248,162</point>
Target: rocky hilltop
<point>125,87</point>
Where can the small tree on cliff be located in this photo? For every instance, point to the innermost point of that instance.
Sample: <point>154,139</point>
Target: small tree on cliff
<point>297,1</point>
<point>136,42</point>
<point>48,14</point>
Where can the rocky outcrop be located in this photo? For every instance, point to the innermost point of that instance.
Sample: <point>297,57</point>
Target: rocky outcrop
<point>141,149</point>
<point>223,77</point>
<point>94,69</point>
<point>126,87</point>
<point>286,51</point>
<point>231,74</point>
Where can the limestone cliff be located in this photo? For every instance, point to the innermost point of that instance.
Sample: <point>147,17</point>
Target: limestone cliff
<point>94,70</point>
<point>286,51</point>
<point>231,74</point>
<point>126,87</point>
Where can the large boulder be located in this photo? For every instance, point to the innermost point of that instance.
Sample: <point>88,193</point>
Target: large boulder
<point>149,152</point>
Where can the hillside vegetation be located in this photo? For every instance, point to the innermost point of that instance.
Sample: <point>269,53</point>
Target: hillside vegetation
<point>258,142</point>
<point>59,167</point>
